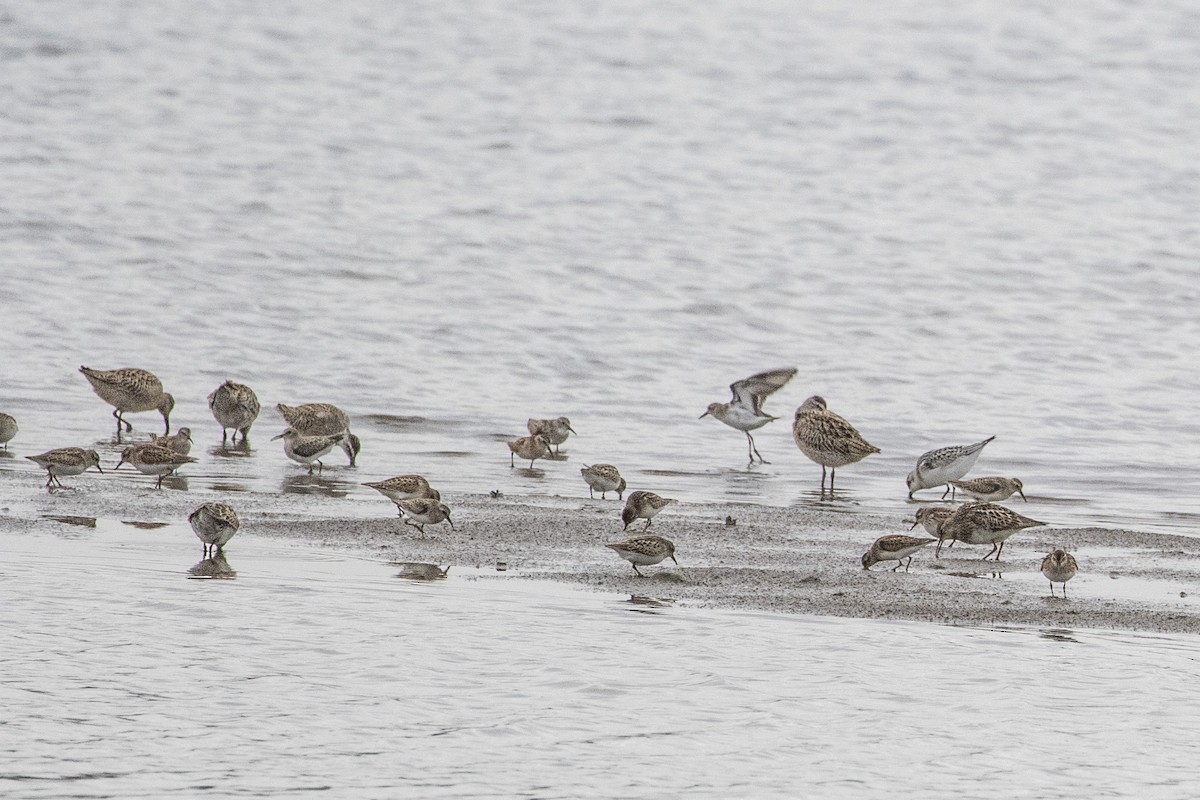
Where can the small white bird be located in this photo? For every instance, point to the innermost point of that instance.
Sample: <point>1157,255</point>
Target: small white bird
<point>939,467</point>
<point>744,411</point>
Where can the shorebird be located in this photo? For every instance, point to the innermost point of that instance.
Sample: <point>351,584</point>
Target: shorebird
<point>744,411</point>
<point>895,547</point>
<point>939,467</point>
<point>215,524</point>
<point>828,439</point>
<point>931,519</point>
<point>65,461</point>
<point>424,511</point>
<point>644,550</point>
<point>991,489</point>
<point>236,406</point>
<point>985,523</point>
<point>322,419</point>
<point>8,429</point>
<point>180,441</point>
<point>605,478</point>
<point>643,505</point>
<point>1059,567</point>
<point>307,449</point>
<point>556,431</point>
<point>151,459</point>
<point>405,487</point>
<point>130,391</point>
<point>531,447</point>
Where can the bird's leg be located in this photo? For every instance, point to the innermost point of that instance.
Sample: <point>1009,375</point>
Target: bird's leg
<point>909,564</point>
<point>225,434</point>
<point>1052,588</point>
<point>1001,550</point>
<point>937,553</point>
<point>635,569</point>
<point>754,450</point>
<point>822,479</point>
<point>832,475</point>
<point>995,549</point>
<point>158,483</point>
<point>948,488</point>
<point>648,521</point>
<point>511,462</point>
<point>320,467</point>
<point>899,564</point>
<point>592,494</point>
<point>1064,589</point>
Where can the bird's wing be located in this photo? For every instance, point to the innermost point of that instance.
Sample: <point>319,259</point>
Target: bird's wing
<point>750,392</point>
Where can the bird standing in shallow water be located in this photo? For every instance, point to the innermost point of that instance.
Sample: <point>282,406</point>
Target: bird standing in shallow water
<point>322,419</point>
<point>555,431</point>
<point>8,429</point>
<point>151,459</point>
<point>307,449</point>
<point>644,550</point>
<point>129,391</point>
<point>65,461</point>
<point>215,524</point>
<point>744,411</point>
<point>941,466</point>
<point>531,447</point>
<point>828,439</point>
<point>605,478</point>
<point>236,406</point>
<point>1059,566</point>
<point>991,489</point>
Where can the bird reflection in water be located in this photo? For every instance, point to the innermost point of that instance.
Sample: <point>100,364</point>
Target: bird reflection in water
<point>215,567</point>
<point>643,604</point>
<point>418,571</point>
<point>239,450</point>
<point>314,484</point>
<point>1058,635</point>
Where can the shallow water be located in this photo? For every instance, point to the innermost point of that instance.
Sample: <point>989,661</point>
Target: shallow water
<point>124,675</point>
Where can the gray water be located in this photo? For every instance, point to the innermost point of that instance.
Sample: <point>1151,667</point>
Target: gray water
<point>957,221</point>
<point>313,673</point>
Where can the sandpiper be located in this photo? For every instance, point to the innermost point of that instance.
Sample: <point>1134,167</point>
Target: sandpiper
<point>644,550</point>
<point>405,487</point>
<point>931,518</point>
<point>424,511</point>
<point>531,447</point>
<point>151,459</point>
<point>8,429</point>
<point>1059,566</point>
<point>215,524</point>
<point>828,439</point>
<point>605,478</point>
<point>985,523</point>
<point>556,431</point>
<point>744,411</point>
<point>129,391</point>
<point>643,505</point>
<point>180,441</point>
<point>236,406</point>
<point>991,489</point>
<point>939,467</point>
<point>894,547</point>
<point>322,419</point>
<point>307,449</point>
<point>65,461</point>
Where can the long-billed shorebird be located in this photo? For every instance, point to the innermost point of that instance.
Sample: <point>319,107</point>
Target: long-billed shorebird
<point>130,391</point>
<point>424,511</point>
<point>65,461</point>
<point>405,487</point>
<point>556,430</point>
<point>828,439</point>
<point>1059,566</point>
<point>991,489</point>
<point>643,505</point>
<point>236,406</point>
<point>307,450</point>
<point>985,523</point>
<point>603,478</point>
<point>894,547</point>
<point>644,550</point>
<point>528,447</point>
<point>941,466</point>
<point>215,524</point>
<point>322,419</point>
<point>151,459</point>
<point>8,429</point>
<point>744,410</point>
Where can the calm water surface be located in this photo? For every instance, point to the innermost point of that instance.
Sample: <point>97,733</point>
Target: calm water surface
<point>123,675</point>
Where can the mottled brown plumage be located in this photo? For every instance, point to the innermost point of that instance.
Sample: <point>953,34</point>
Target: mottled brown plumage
<point>234,406</point>
<point>129,391</point>
<point>828,439</point>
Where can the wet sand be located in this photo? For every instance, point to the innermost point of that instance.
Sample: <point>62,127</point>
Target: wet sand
<point>791,560</point>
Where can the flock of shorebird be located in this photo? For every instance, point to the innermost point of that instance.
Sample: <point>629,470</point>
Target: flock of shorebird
<point>314,429</point>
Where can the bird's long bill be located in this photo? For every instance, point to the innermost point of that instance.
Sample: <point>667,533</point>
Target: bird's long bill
<point>572,430</point>
<point>98,467</point>
<point>451,523</point>
<point>915,523</point>
<point>119,463</point>
<point>280,436</point>
<point>1023,497</point>
<point>702,416</point>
